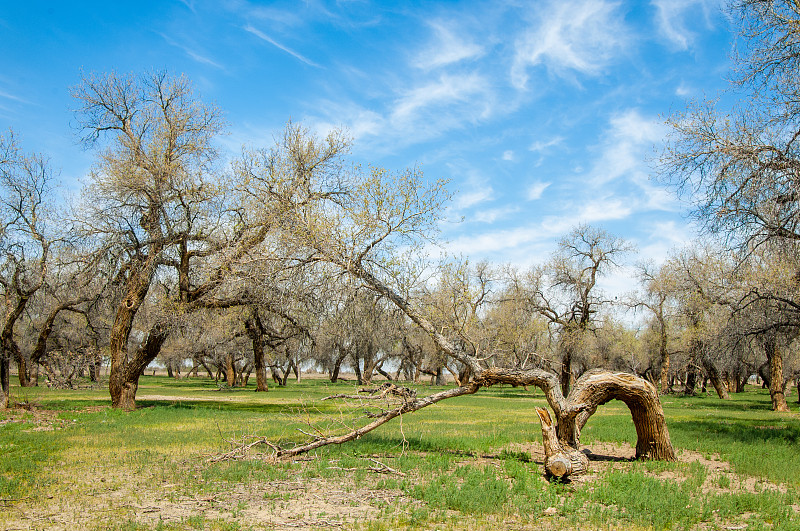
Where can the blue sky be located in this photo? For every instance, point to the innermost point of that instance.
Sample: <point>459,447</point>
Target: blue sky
<point>543,114</point>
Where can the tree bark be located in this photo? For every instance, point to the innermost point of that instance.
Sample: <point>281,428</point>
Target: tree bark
<point>124,378</point>
<point>560,461</point>
<point>665,361</point>
<point>716,380</point>
<point>566,371</point>
<point>777,385</point>
<point>255,329</point>
<point>592,389</point>
<point>5,388</point>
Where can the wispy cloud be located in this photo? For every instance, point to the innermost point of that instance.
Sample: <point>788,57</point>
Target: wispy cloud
<point>448,89</point>
<point>12,97</point>
<point>536,190</point>
<point>604,209</point>
<point>261,35</point>
<point>674,16</point>
<point>490,215</point>
<point>627,144</point>
<point>541,145</point>
<point>580,36</point>
<point>449,47</point>
<point>191,52</point>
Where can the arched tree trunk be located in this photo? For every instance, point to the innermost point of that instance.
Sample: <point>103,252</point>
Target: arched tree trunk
<point>561,441</point>
<point>592,389</point>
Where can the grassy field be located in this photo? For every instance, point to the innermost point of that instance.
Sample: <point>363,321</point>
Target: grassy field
<point>68,461</point>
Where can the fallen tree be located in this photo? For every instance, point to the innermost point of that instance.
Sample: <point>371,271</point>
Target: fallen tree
<point>356,221</point>
<point>561,437</point>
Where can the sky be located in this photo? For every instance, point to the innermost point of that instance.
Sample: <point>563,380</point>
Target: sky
<point>541,114</point>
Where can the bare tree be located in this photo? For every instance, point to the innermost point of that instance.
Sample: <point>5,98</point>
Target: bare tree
<point>36,262</point>
<point>153,170</point>
<point>565,290</point>
<point>357,221</point>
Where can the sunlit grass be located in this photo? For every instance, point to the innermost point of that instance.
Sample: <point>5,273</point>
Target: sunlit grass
<point>458,458</point>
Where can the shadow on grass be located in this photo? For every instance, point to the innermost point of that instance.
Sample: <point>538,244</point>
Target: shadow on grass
<point>732,429</point>
<point>742,402</point>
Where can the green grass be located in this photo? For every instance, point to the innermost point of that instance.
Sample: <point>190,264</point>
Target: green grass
<point>462,461</point>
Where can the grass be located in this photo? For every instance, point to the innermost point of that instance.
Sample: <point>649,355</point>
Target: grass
<point>464,463</point>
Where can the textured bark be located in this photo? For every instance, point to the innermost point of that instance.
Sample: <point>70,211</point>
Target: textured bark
<point>777,385</point>
<point>255,329</point>
<point>713,375</point>
<point>598,387</point>
<point>560,461</point>
<point>5,388</point>
<point>591,390</point>
<point>566,371</point>
<point>665,361</point>
<point>124,377</point>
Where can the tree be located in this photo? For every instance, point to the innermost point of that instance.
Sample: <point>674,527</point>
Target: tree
<point>565,291</point>
<point>657,298</point>
<point>359,220</point>
<point>740,165</point>
<point>36,261</point>
<point>154,168</point>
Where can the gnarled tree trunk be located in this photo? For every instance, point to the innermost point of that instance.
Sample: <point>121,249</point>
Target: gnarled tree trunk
<point>560,461</point>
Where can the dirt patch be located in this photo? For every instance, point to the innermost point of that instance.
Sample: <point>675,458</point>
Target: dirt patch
<point>169,398</point>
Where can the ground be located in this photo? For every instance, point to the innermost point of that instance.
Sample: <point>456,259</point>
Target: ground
<point>165,478</point>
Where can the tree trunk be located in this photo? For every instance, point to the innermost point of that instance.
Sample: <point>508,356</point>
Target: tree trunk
<point>230,370</point>
<point>441,379</point>
<point>777,385</point>
<point>22,370</point>
<point>664,354</point>
<point>335,372</point>
<point>560,461</point>
<point>592,389</point>
<point>691,380</point>
<point>122,381</point>
<point>124,378</point>
<point>255,330</point>
<point>566,370</point>
<point>357,369</point>
<point>5,388</point>
<point>716,381</point>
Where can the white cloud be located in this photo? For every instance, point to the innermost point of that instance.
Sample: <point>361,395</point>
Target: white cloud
<point>449,47</point>
<point>683,90</point>
<point>273,42</point>
<point>673,16</point>
<point>536,190</point>
<point>581,35</point>
<point>541,145</point>
<point>627,144</point>
<point>508,155</point>
<point>448,89</point>
<point>493,214</point>
<point>191,52</point>
<point>604,209</point>
<point>12,97</point>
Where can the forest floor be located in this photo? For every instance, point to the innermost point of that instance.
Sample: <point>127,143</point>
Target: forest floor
<point>68,461</point>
